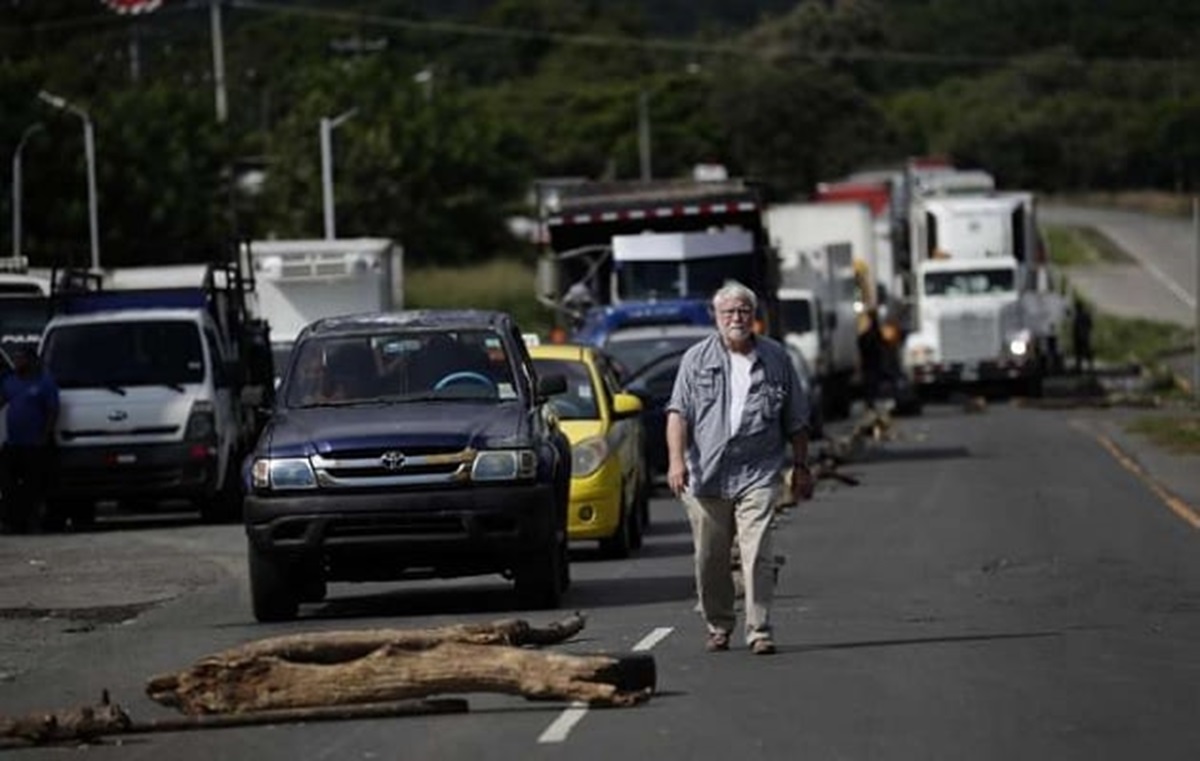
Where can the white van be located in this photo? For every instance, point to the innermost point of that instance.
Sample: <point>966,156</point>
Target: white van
<point>150,395</point>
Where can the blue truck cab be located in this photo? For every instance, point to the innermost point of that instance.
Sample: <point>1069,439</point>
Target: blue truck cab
<point>414,444</point>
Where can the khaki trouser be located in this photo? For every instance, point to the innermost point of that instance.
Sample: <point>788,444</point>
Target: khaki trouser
<point>714,522</point>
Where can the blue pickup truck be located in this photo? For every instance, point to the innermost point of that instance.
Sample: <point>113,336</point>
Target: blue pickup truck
<point>408,445</point>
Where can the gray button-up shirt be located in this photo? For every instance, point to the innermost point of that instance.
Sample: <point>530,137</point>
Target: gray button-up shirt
<point>725,463</point>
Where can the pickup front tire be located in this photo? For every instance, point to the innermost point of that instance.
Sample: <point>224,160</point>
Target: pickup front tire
<point>273,595</point>
<point>542,577</point>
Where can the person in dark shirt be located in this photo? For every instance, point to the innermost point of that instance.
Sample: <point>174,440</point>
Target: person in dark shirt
<point>1081,335</point>
<point>30,397</point>
<point>871,353</point>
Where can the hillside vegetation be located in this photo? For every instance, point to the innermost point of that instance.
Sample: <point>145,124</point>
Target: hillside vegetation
<point>457,106</point>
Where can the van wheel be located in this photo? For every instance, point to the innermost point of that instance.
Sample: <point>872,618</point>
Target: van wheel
<point>272,596</point>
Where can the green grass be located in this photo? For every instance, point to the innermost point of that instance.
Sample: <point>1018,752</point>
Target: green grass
<point>1082,246</point>
<point>502,284</point>
<point>1124,339</point>
<point>1179,433</point>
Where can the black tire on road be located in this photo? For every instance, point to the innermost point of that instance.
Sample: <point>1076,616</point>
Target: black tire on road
<point>539,578</point>
<point>619,544</point>
<point>273,596</point>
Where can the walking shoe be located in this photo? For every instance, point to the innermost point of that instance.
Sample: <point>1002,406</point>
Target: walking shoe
<point>717,642</point>
<point>762,646</point>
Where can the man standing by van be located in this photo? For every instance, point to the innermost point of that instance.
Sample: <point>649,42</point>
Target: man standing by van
<point>31,398</point>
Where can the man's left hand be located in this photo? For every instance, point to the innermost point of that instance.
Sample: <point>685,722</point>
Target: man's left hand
<point>803,483</point>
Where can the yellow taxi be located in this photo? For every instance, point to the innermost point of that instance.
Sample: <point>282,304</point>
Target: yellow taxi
<point>610,486</point>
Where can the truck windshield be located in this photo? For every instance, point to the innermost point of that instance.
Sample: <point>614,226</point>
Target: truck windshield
<point>22,319</point>
<point>399,366</point>
<point>970,282</point>
<point>138,353</point>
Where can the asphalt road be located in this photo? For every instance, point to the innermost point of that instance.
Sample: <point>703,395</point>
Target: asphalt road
<point>997,586</point>
<point>1159,282</point>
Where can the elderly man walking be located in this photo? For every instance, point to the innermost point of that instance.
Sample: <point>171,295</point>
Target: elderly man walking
<point>736,412</point>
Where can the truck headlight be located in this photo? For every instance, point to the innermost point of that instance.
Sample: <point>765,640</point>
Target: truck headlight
<point>1018,343</point>
<point>504,465</point>
<point>587,456</point>
<point>289,473</point>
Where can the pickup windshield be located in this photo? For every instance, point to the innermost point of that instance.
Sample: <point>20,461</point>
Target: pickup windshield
<point>400,366</point>
<point>121,354</point>
<point>970,282</point>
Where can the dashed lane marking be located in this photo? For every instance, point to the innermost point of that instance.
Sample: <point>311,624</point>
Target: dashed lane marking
<point>561,727</point>
<point>653,638</point>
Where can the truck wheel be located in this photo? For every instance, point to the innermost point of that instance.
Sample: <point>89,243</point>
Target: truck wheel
<point>618,545</point>
<point>539,579</point>
<point>271,594</point>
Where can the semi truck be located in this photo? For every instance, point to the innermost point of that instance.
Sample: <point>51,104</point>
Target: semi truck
<point>615,244</point>
<point>824,250</point>
<point>983,309</point>
<point>165,374</point>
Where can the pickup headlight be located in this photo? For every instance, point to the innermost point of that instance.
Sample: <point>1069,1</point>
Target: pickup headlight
<point>504,465</point>
<point>587,456</point>
<point>290,473</point>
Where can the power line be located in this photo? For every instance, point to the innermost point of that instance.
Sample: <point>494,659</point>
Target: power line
<point>645,43</point>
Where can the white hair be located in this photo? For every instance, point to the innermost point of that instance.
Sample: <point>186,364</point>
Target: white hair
<point>736,291</point>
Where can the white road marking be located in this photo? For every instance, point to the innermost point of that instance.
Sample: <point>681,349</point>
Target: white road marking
<point>653,638</point>
<point>566,721</point>
<point>563,724</point>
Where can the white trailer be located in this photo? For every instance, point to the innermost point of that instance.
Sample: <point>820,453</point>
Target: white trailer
<point>300,281</point>
<point>818,245</point>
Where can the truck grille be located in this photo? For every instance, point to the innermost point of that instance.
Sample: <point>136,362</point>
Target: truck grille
<point>392,468</point>
<point>969,336</point>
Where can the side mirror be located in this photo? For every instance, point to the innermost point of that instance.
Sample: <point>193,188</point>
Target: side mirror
<point>550,385</point>
<point>626,405</point>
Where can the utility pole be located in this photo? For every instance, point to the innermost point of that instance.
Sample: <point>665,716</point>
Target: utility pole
<point>327,127</point>
<point>17,190</point>
<point>89,152</point>
<point>1196,300</point>
<point>218,53</point>
<point>644,135</point>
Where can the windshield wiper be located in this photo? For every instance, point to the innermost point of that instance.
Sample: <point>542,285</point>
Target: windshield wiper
<point>116,389</point>
<point>174,386</point>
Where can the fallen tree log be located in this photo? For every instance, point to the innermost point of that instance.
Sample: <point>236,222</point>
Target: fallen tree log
<point>342,646</point>
<point>89,724</point>
<point>261,682</point>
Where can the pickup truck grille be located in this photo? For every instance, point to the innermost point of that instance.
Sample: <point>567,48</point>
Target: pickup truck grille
<point>392,468</point>
<point>969,337</point>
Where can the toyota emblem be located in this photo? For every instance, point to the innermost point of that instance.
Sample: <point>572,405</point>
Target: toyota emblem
<point>117,416</point>
<point>392,460</point>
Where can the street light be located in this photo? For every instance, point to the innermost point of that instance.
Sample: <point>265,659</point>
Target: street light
<point>327,127</point>
<point>89,148</point>
<point>16,186</point>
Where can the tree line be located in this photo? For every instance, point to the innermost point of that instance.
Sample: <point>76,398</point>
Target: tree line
<point>457,108</point>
